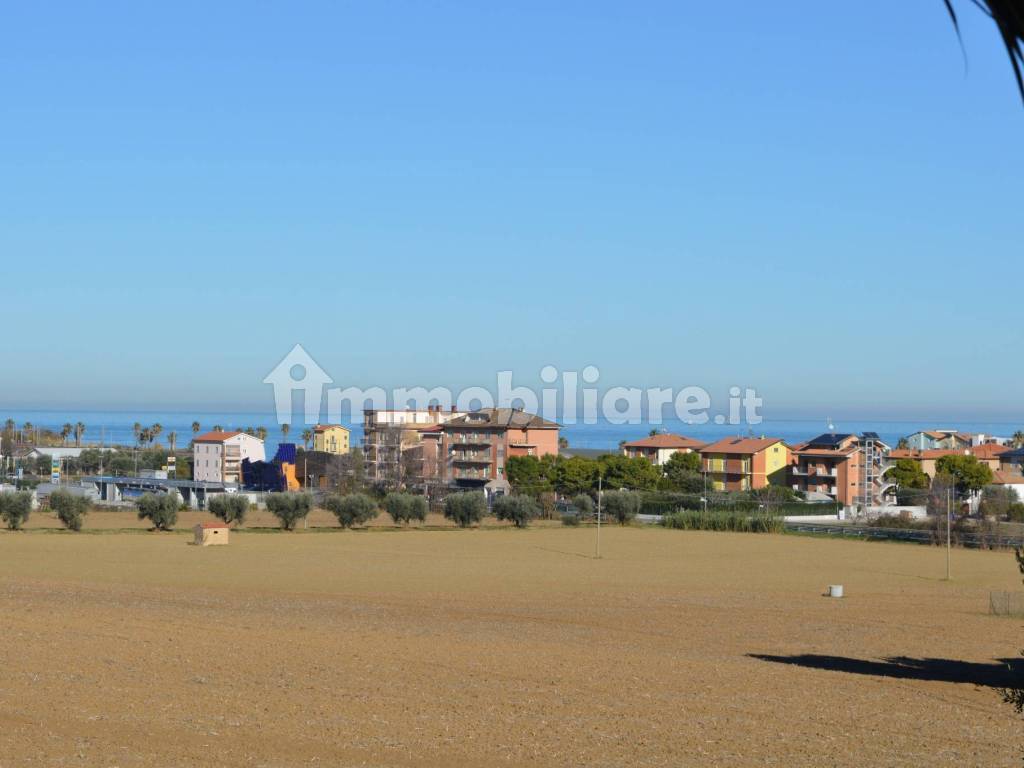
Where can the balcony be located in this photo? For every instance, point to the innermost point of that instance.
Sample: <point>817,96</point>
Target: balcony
<point>470,440</point>
<point>465,457</point>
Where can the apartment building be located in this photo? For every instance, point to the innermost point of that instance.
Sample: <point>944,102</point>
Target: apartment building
<point>848,468</point>
<point>471,450</point>
<point>392,442</point>
<point>217,456</point>
<point>331,438</point>
<point>745,463</point>
<point>658,449</point>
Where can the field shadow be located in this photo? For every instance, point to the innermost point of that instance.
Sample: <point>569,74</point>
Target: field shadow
<point>1001,673</point>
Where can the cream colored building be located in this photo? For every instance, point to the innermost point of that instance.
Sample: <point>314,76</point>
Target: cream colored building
<point>331,438</point>
<point>217,456</point>
<point>211,534</point>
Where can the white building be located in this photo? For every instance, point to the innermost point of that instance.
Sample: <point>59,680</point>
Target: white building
<point>217,456</point>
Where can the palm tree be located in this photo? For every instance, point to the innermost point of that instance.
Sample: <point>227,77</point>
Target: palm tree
<point>285,429</point>
<point>64,432</point>
<point>26,432</point>
<point>9,425</point>
<point>218,428</point>
<point>154,432</point>
<point>137,431</point>
<point>261,433</point>
<point>1018,439</point>
<point>196,427</point>
<point>172,439</point>
<point>144,437</point>
<point>307,435</point>
<point>79,432</point>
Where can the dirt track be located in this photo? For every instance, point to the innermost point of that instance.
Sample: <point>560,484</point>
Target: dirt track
<point>491,647</point>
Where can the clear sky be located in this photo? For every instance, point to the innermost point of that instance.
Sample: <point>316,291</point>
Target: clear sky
<point>821,200</point>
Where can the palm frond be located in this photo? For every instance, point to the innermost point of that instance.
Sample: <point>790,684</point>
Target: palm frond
<point>1008,16</point>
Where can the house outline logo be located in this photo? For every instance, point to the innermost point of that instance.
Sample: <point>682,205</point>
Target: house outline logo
<point>311,383</point>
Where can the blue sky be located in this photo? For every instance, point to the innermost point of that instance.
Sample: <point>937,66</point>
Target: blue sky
<point>428,193</point>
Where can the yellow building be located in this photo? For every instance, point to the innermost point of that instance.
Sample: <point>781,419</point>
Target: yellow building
<point>331,438</point>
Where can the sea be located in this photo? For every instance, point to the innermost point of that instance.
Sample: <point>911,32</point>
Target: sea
<point>108,427</point>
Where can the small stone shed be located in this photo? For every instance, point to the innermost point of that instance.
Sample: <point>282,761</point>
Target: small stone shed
<point>208,534</point>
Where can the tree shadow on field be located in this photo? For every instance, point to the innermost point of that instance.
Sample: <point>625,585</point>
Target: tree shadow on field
<point>1001,673</point>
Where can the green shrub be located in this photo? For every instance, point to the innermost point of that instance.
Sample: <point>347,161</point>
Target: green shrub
<point>1015,512</point>
<point>353,509</point>
<point>519,510</point>
<point>622,505</point>
<point>405,507</point>
<point>160,509</point>
<point>466,508</point>
<point>15,507</point>
<point>570,520</point>
<point>229,507</point>
<point>289,508</point>
<point>69,508</point>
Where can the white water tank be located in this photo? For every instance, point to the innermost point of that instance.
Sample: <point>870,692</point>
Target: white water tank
<point>835,590</point>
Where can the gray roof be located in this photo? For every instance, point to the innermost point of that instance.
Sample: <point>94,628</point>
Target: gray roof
<point>489,418</point>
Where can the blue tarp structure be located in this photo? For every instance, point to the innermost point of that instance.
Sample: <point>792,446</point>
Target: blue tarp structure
<point>267,475</point>
<point>263,476</point>
<point>285,453</point>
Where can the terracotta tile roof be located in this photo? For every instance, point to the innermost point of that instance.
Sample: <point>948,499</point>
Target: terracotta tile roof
<point>325,427</point>
<point>931,453</point>
<point>489,418</point>
<point>215,437</point>
<point>989,451</point>
<point>1006,477</point>
<point>741,445</point>
<point>666,440</point>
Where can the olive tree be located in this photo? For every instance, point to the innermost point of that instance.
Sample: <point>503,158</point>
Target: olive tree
<point>160,509</point>
<point>622,505</point>
<point>289,508</point>
<point>229,507</point>
<point>353,509</point>
<point>405,507</point>
<point>15,507</point>
<point>69,508</point>
<point>584,505</point>
<point>518,510</point>
<point>465,508</point>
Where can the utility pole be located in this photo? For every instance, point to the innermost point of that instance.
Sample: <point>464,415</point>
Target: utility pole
<point>948,492</point>
<point>599,516</point>
<point>704,498</point>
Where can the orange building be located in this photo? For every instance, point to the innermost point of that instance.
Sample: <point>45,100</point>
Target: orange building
<point>745,463</point>
<point>988,453</point>
<point>844,466</point>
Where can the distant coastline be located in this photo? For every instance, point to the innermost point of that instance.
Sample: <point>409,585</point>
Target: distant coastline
<point>116,427</point>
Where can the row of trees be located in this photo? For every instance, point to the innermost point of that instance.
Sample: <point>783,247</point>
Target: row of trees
<point>956,477</point>
<point>572,476</point>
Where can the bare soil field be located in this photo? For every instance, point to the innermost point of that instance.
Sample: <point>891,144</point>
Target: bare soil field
<point>500,647</point>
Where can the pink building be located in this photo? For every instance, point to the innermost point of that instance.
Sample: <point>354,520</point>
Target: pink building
<point>471,451</point>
